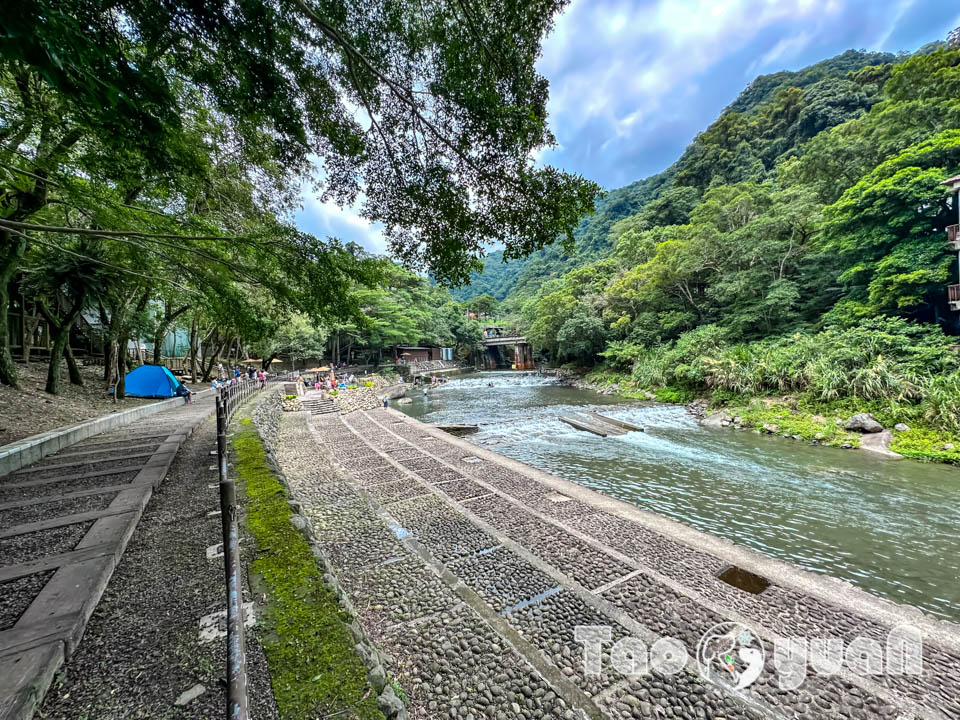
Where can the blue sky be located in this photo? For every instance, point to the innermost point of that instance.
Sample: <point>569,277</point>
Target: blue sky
<point>632,82</point>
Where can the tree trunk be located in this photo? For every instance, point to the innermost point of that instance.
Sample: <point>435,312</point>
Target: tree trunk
<point>163,327</point>
<point>12,248</point>
<point>24,330</point>
<point>213,359</point>
<point>107,344</point>
<point>120,389</point>
<point>75,377</point>
<point>194,333</point>
<point>61,339</point>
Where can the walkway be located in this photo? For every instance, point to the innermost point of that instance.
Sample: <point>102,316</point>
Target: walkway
<point>473,570</point>
<point>64,523</point>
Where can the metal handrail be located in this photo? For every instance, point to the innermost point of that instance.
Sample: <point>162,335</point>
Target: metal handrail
<point>229,399</point>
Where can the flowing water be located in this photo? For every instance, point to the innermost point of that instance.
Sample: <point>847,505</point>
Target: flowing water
<point>892,527</point>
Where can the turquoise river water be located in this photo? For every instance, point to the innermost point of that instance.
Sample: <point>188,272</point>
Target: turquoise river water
<point>890,526</point>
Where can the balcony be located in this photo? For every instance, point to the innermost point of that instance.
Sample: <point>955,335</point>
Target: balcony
<point>953,297</point>
<point>953,237</point>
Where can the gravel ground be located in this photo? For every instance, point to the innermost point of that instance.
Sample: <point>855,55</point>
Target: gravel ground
<point>9,494</point>
<point>36,513</point>
<point>141,649</point>
<point>16,596</point>
<point>23,548</point>
<point>42,471</point>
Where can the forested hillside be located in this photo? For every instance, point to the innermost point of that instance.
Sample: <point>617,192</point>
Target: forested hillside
<point>831,97</point>
<point>798,246</point>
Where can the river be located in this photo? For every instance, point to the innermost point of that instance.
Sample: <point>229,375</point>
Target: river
<point>891,527</point>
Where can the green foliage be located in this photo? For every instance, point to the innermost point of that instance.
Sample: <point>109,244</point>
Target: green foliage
<point>456,107</point>
<point>581,336</point>
<point>797,248</point>
<point>927,443</point>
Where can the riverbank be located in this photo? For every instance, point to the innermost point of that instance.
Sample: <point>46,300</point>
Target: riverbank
<point>794,416</point>
<point>471,571</point>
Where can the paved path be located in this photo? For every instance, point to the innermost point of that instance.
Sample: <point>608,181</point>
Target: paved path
<point>473,570</point>
<point>64,523</point>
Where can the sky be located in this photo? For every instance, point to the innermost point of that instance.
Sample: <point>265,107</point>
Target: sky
<point>633,81</point>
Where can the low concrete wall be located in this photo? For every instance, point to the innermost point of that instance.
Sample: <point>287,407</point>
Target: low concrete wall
<point>25,452</point>
<point>445,371</point>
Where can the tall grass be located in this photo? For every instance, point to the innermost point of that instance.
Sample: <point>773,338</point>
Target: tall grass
<point>885,359</point>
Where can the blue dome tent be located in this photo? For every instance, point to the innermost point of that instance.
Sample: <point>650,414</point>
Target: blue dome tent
<point>151,381</point>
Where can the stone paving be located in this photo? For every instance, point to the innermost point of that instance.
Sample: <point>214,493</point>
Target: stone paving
<point>472,571</point>
<point>65,520</point>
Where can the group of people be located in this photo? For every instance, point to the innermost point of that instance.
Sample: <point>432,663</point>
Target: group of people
<point>434,379</point>
<point>327,382</point>
<point>250,373</point>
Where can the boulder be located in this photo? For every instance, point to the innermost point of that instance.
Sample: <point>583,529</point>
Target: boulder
<point>864,422</point>
<point>948,446</point>
<point>901,427</point>
<point>770,428</point>
<point>716,420</point>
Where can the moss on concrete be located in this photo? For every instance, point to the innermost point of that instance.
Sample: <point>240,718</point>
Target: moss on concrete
<point>314,668</point>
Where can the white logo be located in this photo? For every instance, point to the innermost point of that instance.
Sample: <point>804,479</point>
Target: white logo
<point>731,654</point>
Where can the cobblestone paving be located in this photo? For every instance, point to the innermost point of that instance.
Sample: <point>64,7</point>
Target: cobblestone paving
<point>473,571</point>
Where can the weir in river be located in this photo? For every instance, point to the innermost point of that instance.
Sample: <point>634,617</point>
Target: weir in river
<point>889,527</point>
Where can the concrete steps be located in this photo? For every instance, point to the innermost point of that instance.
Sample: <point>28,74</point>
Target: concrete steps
<point>318,406</point>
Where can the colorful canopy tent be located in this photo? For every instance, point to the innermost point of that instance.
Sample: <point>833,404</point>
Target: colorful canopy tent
<point>151,381</point>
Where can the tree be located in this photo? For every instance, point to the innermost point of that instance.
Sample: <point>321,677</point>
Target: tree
<point>484,305</point>
<point>297,337</point>
<point>889,230</point>
<point>452,105</point>
<point>73,279</point>
<point>581,336</point>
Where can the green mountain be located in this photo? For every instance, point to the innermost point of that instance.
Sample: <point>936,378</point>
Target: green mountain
<point>771,118</point>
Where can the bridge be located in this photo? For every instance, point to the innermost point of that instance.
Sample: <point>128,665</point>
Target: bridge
<point>513,340</point>
<point>522,354</point>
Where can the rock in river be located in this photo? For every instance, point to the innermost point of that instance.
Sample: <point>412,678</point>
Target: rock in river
<point>717,419</point>
<point>864,422</point>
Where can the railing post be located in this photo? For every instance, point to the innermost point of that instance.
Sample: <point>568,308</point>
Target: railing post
<point>236,650</point>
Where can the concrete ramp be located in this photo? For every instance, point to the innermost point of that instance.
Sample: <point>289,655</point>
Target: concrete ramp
<point>629,427</point>
<point>590,424</point>
<point>593,422</point>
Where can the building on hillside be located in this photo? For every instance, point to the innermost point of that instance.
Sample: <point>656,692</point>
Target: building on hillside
<point>953,240</point>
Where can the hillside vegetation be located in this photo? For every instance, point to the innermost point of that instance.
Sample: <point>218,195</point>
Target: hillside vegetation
<point>796,248</point>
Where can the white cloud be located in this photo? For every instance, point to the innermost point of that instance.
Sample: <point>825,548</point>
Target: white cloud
<point>631,67</point>
<point>327,219</point>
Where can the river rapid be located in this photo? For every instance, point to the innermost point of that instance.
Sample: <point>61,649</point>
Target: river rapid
<point>891,527</point>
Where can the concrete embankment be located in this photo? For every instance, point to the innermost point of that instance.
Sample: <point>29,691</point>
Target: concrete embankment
<point>473,571</point>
